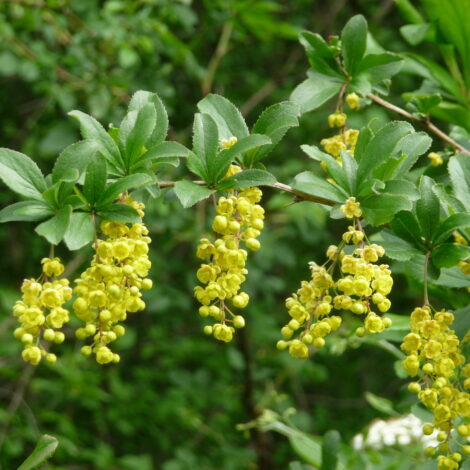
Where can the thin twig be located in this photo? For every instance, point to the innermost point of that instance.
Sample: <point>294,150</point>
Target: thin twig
<point>300,195</point>
<point>425,280</point>
<point>16,400</point>
<point>425,122</point>
<point>220,51</point>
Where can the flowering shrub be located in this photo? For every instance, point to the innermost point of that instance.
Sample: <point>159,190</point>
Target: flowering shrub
<point>373,177</point>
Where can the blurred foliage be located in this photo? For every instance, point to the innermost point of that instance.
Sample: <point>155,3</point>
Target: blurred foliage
<point>175,399</point>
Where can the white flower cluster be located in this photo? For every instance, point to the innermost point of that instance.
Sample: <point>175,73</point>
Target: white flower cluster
<point>401,431</point>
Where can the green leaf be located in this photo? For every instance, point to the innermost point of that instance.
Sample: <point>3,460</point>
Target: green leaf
<point>25,211</point>
<point>459,172</point>
<point>353,43</point>
<point>454,278</point>
<point>380,208</point>
<point>21,174</point>
<point>247,179</point>
<point>319,54</point>
<point>230,122</point>
<point>314,91</point>
<point>312,184</point>
<point>381,147</point>
<point>406,226</point>
<point>378,67</point>
<point>53,230</point>
<point>95,180</point>
<point>189,193</point>
<point>410,13</point>
<point>415,33</point>
<point>164,150</point>
<point>205,144</point>
<point>330,450</point>
<point>427,208</point>
<point>453,222</point>
<point>412,146</point>
<point>461,324</point>
<point>137,180</point>
<point>448,202</point>
<point>135,131</point>
<point>401,188</point>
<point>80,231</point>
<point>43,451</point>
<point>141,99</point>
<point>91,129</point>
<point>440,76</point>
<point>350,170</point>
<point>395,247</point>
<point>77,156</point>
<point>452,18</point>
<point>273,122</point>
<point>448,255</point>
<point>220,166</point>
<point>381,404</point>
<point>119,213</point>
<point>335,170</point>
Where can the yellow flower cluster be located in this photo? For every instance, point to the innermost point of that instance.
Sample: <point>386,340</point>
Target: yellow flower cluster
<point>361,284</point>
<point>345,140</point>
<point>337,119</point>
<point>435,159</point>
<point>434,354</point>
<point>351,209</point>
<point>239,220</point>
<point>41,312</point>
<point>353,101</point>
<point>111,287</point>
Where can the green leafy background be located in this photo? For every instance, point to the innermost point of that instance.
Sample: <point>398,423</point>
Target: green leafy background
<point>176,398</point>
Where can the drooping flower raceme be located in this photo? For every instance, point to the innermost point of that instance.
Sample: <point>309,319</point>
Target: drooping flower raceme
<point>238,223</point>
<point>434,355</point>
<point>111,287</point>
<point>361,288</point>
<point>41,311</point>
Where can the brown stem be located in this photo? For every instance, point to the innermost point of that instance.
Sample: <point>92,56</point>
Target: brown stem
<point>425,279</point>
<point>16,401</point>
<point>300,195</point>
<point>260,440</point>
<point>425,122</point>
<point>220,51</point>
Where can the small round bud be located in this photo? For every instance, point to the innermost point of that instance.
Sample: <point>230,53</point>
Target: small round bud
<point>119,331</point>
<point>307,339</point>
<point>414,387</point>
<point>147,284</point>
<point>105,315</point>
<point>253,244</point>
<point>49,334</point>
<point>428,429</point>
<point>86,350</point>
<point>238,321</point>
<point>361,331</point>
<point>430,451</point>
<point>319,342</point>
<point>294,324</point>
<point>59,337</point>
<point>51,358</point>
<point>27,338</point>
<point>208,330</point>
<point>204,311</point>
